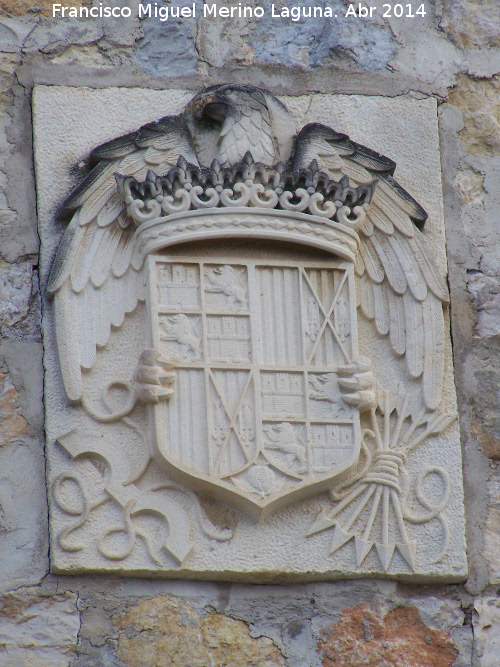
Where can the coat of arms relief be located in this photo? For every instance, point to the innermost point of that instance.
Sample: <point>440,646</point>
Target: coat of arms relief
<point>249,323</point>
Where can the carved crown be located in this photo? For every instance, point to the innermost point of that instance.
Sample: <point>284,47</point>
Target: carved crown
<point>246,184</point>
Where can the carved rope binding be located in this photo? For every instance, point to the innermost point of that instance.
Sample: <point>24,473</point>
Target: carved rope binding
<point>246,184</point>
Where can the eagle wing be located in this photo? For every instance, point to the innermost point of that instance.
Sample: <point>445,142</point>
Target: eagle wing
<point>399,286</point>
<point>94,280</point>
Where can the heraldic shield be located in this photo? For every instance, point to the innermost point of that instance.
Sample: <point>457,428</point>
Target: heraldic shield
<point>257,418</point>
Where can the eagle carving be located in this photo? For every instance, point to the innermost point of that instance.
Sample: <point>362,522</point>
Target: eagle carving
<point>97,275</point>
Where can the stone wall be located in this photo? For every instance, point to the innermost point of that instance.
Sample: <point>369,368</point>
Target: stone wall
<point>454,56</point>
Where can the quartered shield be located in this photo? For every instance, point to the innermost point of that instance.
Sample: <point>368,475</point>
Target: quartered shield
<point>257,419</point>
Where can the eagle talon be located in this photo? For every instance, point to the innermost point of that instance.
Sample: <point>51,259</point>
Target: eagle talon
<point>357,384</point>
<point>348,384</point>
<point>153,377</point>
<point>166,377</point>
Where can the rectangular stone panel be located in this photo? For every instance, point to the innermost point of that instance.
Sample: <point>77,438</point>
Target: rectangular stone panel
<point>255,392</point>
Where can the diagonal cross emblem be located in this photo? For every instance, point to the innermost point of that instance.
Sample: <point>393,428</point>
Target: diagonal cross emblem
<point>232,420</point>
<point>327,315</point>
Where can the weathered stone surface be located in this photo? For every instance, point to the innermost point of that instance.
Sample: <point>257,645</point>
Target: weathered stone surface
<point>168,48</point>
<point>471,23</point>
<point>492,522</point>
<point>15,292</point>
<point>309,42</point>
<point>96,627</point>
<point>486,293</point>
<point>474,259</point>
<point>12,423</point>
<point>22,7</point>
<point>219,41</point>
<point>479,101</point>
<point>487,631</point>
<point>18,236</point>
<point>38,630</point>
<point>8,65</point>
<point>470,184</point>
<point>167,632</point>
<point>23,363</point>
<point>452,616</point>
<point>23,508</point>
<point>13,34</point>
<point>478,185</point>
<point>380,44</point>
<point>60,34</point>
<point>485,422</point>
<point>399,638</point>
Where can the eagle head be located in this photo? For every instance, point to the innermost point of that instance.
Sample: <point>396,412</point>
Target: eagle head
<point>234,119</point>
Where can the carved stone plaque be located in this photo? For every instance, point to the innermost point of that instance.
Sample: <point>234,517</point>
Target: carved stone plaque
<point>248,373</point>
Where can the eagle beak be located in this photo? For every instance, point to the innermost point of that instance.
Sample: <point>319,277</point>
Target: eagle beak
<point>198,105</point>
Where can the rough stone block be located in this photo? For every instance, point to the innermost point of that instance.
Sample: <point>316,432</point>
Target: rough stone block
<point>15,292</point>
<point>169,630</point>
<point>23,505</point>
<point>362,636</point>
<point>487,630</point>
<point>38,630</point>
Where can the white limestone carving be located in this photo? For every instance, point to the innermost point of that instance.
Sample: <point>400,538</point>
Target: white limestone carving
<point>225,281</point>
<point>116,543</point>
<point>245,191</point>
<point>234,377</point>
<point>370,506</point>
<point>248,389</point>
<point>182,331</point>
